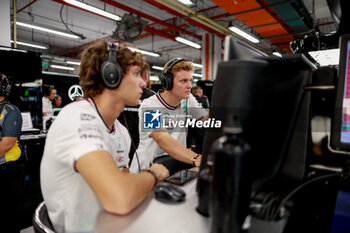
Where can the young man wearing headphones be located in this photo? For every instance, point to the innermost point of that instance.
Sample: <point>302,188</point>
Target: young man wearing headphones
<point>11,166</point>
<point>49,92</point>
<point>165,141</point>
<point>85,162</point>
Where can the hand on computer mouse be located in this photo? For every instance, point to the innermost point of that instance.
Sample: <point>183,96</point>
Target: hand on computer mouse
<point>160,171</point>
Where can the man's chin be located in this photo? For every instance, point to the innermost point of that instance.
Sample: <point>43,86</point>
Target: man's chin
<point>134,103</point>
<point>187,96</point>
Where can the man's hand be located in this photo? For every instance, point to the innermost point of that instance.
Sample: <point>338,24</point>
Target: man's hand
<point>6,144</point>
<point>160,171</point>
<point>198,161</point>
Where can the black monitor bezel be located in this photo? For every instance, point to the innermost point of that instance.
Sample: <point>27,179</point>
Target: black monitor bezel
<point>339,97</point>
<point>238,49</point>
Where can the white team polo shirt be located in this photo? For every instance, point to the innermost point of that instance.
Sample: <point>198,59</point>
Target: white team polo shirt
<point>77,130</point>
<point>148,149</point>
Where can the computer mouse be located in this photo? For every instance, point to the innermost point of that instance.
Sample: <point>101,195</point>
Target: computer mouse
<point>169,193</point>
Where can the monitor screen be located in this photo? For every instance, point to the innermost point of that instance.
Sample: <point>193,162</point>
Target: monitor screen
<point>20,65</point>
<point>341,121</point>
<point>338,10</point>
<point>237,49</point>
<point>335,9</point>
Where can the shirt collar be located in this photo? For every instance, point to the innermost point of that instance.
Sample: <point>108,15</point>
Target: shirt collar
<point>165,104</point>
<point>92,103</point>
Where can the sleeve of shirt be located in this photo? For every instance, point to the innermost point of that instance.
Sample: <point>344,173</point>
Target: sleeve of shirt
<point>46,105</point>
<point>88,139</point>
<point>77,133</point>
<point>195,110</point>
<point>12,124</point>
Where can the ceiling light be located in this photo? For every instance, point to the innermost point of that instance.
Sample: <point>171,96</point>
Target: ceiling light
<point>187,42</point>
<point>277,54</point>
<point>153,78</point>
<point>47,30</point>
<point>30,45</point>
<point>186,2</point>
<point>197,65</point>
<point>157,67</point>
<point>93,9</point>
<point>243,34</point>
<point>60,74</point>
<point>73,63</point>
<point>11,49</point>
<point>197,75</point>
<point>62,67</point>
<point>326,57</point>
<point>153,54</point>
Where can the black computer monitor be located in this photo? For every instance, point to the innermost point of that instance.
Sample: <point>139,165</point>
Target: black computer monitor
<point>267,96</point>
<point>340,136</point>
<point>20,65</point>
<point>238,49</point>
<point>341,19</point>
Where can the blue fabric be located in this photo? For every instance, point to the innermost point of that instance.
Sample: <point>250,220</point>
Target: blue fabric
<point>341,217</point>
<point>12,122</point>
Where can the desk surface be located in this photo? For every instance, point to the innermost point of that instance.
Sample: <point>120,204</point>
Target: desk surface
<point>32,136</point>
<point>153,216</point>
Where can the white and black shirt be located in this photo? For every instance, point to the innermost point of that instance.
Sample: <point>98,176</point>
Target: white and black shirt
<point>77,130</point>
<point>170,119</point>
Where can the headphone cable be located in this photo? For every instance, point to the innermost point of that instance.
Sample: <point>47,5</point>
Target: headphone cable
<point>282,203</point>
<point>132,142</point>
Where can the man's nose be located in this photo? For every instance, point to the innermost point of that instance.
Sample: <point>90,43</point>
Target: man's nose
<point>143,83</point>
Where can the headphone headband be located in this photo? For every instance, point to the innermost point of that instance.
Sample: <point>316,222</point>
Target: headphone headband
<point>167,79</point>
<point>110,70</point>
<point>112,48</point>
<point>172,63</point>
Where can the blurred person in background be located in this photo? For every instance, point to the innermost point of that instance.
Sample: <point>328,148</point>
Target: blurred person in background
<point>49,94</point>
<point>11,162</point>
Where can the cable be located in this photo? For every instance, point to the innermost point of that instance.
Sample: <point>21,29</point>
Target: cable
<point>75,33</point>
<point>302,186</point>
<point>268,205</point>
<point>132,143</point>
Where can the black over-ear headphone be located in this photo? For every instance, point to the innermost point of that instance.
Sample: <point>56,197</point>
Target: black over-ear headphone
<point>5,86</point>
<point>167,79</point>
<point>111,72</point>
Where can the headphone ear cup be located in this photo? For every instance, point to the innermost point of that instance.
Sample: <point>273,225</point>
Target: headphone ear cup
<point>166,81</point>
<point>163,82</point>
<point>111,74</point>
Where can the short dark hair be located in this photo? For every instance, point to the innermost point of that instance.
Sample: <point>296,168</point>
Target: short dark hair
<point>47,89</point>
<point>91,60</point>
